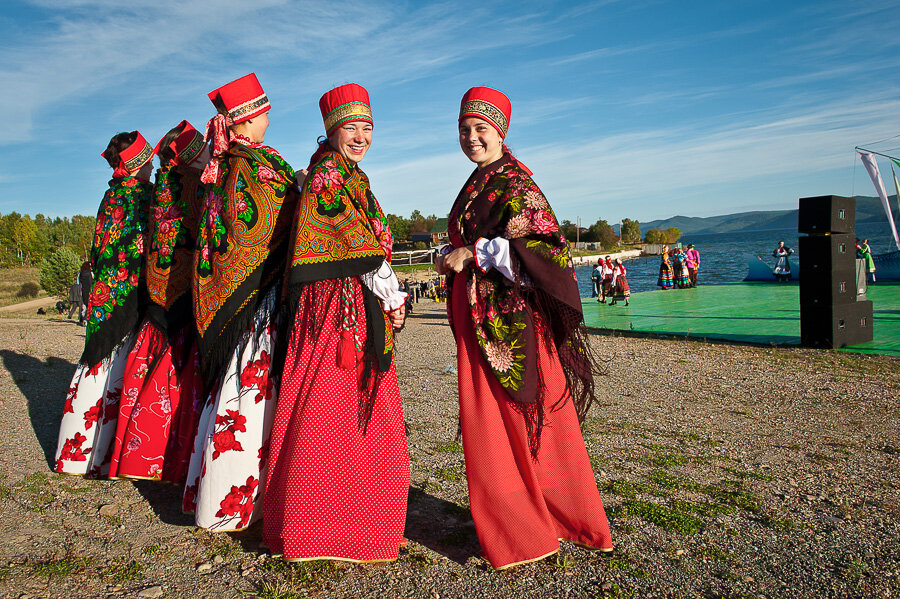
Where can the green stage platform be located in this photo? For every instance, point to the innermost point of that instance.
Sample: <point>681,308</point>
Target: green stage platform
<point>766,313</point>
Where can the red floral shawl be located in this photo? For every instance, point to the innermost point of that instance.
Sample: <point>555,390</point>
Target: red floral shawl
<point>502,200</point>
<point>117,258</point>
<point>241,246</point>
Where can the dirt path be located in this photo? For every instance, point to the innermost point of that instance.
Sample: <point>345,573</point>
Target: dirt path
<point>30,305</point>
<point>727,471</point>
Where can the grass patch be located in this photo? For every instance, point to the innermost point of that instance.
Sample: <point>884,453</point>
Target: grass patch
<point>713,551</point>
<point>449,447</point>
<point>277,590</point>
<point>60,568</point>
<point>625,488</point>
<point>666,460</point>
<point>33,492</point>
<point>219,544</point>
<point>152,549</point>
<point>454,473</point>
<point>673,518</point>
<point>127,572</point>
<point>417,559</point>
<point>313,574</point>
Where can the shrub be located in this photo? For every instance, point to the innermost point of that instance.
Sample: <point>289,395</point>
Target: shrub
<point>58,272</point>
<point>29,289</point>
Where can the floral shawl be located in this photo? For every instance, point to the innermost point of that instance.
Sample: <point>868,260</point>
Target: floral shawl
<point>241,246</point>
<point>117,257</point>
<point>174,213</point>
<point>340,231</point>
<point>502,200</point>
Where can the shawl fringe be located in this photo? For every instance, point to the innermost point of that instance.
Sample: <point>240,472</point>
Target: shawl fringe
<point>308,304</point>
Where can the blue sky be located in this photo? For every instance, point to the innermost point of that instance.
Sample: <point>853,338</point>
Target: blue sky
<point>638,109</point>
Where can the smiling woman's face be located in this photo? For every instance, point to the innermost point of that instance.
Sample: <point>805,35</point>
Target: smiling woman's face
<point>480,141</point>
<point>352,140</point>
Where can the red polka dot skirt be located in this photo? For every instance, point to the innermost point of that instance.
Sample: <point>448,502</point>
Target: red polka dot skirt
<point>333,492</point>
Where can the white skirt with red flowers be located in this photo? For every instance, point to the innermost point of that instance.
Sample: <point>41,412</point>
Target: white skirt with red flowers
<point>91,411</point>
<point>227,471</point>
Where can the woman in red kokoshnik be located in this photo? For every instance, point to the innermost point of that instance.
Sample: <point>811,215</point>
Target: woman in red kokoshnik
<point>162,389</point>
<point>91,411</point>
<point>338,464</point>
<point>525,367</point>
<point>238,268</point>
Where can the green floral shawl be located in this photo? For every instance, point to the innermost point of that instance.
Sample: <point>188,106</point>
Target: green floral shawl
<point>117,259</point>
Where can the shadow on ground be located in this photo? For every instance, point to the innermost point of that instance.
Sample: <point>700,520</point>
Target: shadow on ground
<point>44,384</point>
<point>440,525</point>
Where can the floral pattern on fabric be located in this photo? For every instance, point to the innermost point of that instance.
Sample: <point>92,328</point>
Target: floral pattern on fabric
<point>504,201</point>
<point>117,259</point>
<point>241,245</point>
<point>174,212</point>
<point>338,221</point>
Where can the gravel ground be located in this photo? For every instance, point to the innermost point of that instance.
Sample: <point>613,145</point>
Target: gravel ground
<point>727,471</point>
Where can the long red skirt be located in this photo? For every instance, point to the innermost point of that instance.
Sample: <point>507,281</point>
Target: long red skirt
<point>332,492</point>
<point>159,409</point>
<point>522,507</point>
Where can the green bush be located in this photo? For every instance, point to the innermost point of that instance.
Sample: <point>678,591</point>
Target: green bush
<point>420,245</point>
<point>29,289</point>
<point>58,272</point>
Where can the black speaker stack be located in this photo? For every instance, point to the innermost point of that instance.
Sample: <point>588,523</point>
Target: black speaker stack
<point>834,311</point>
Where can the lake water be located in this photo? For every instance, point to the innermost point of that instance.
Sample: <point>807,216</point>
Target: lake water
<point>724,256</point>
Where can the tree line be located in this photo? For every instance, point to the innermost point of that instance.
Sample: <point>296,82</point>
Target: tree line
<point>630,232</point>
<point>26,241</point>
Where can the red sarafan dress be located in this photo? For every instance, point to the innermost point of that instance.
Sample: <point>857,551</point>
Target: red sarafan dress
<point>338,462</point>
<point>529,475</point>
<point>162,390</point>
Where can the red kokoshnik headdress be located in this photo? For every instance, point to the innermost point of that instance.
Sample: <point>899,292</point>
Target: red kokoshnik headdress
<point>242,99</point>
<point>494,107</point>
<point>133,157</point>
<point>488,104</point>
<point>187,145</point>
<point>345,104</point>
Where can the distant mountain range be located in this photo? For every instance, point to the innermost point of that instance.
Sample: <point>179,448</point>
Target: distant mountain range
<point>868,209</point>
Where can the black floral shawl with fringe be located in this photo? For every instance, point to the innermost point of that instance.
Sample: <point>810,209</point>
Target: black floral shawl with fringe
<point>340,232</point>
<point>241,247</point>
<point>502,200</point>
<point>117,297</point>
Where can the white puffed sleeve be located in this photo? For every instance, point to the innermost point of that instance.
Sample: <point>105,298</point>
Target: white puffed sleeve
<point>384,284</point>
<point>494,253</point>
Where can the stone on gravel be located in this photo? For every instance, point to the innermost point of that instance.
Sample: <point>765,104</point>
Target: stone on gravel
<point>151,592</point>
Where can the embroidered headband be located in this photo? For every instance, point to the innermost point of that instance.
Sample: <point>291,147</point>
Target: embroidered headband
<point>134,156</point>
<point>345,104</point>
<point>186,146</point>
<point>488,104</point>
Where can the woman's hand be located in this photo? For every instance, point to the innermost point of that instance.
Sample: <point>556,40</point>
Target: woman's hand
<point>458,259</point>
<point>398,317</point>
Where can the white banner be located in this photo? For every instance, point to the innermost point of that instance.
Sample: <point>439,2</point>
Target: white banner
<point>868,160</point>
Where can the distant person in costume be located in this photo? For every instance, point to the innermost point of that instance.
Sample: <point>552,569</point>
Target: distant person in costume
<point>91,411</point>
<point>606,271</point>
<point>338,463</point>
<point>526,372</point>
<point>782,270</point>
<point>666,279</point>
<point>682,278</point>
<point>692,261</point>
<point>864,252</point>
<point>162,391</point>
<point>619,286</point>
<point>242,245</point>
